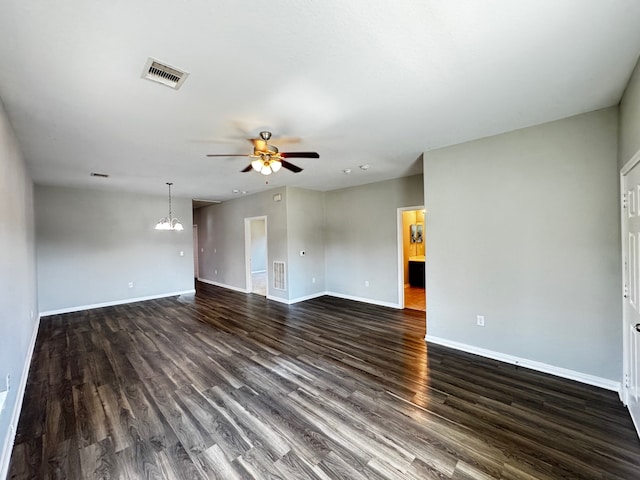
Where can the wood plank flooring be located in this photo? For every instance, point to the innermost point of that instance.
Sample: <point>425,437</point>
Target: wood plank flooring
<point>415,298</point>
<point>224,385</point>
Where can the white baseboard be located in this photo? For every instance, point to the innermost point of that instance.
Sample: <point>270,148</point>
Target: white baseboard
<point>7,448</point>
<point>307,297</point>
<point>115,302</point>
<point>218,284</point>
<point>279,299</point>
<point>365,300</point>
<point>298,299</point>
<point>532,364</point>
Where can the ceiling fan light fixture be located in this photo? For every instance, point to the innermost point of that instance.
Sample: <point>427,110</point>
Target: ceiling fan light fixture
<point>267,159</point>
<point>257,164</point>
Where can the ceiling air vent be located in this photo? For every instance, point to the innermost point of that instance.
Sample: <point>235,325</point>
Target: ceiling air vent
<point>164,74</point>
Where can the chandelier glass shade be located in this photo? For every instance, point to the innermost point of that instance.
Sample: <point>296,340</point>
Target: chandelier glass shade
<point>169,223</point>
<point>266,165</point>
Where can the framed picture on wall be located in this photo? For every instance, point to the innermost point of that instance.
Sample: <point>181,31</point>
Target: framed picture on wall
<point>416,233</point>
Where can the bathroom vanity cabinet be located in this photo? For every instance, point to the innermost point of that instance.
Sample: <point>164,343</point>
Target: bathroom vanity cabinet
<point>416,273</point>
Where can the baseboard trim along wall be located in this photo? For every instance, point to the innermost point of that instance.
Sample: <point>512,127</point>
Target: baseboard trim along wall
<point>7,448</point>
<point>296,300</point>
<point>223,285</point>
<point>115,302</point>
<point>365,300</point>
<point>531,364</point>
<point>279,299</point>
<point>307,297</point>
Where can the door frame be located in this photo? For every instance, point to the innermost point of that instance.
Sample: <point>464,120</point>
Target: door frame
<point>400,242</point>
<point>196,253</point>
<point>626,333</point>
<point>247,251</point>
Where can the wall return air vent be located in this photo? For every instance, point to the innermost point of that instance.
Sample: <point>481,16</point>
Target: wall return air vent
<point>165,74</point>
<point>279,275</point>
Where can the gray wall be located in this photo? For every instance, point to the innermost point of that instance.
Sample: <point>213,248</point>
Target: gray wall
<point>349,236</point>
<point>92,243</point>
<point>258,246</point>
<point>361,238</point>
<point>629,135</point>
<point>222,243</point>
<point>18,304</point>
<point>524,229</point>
<point>305,231</point>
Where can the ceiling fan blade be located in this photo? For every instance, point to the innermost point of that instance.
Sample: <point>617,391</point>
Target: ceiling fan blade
<point>299,155</point>
<point>290,166</point>
<point>286,140</point>
<point>226,155</point>
<point>248,168</point>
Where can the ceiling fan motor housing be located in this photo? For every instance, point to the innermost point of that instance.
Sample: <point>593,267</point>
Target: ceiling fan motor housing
<point>265,135</point>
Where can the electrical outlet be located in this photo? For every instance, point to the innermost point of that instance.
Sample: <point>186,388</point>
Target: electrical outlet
<point>313,280</point>
<point>8,382</point>
<point>181,253</point>
<point>480,320</point>
<point>215,272</point>
<point>130,284</point>
<point>366,283</point>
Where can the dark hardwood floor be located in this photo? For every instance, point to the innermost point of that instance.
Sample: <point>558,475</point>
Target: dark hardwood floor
<point>232,386</point>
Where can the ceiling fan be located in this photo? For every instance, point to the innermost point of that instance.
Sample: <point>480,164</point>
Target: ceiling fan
<point>267,159</point>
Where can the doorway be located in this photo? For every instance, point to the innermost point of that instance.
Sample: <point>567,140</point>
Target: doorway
<point>255,231</point>
<point>630,221</point>
<point>411,258</point>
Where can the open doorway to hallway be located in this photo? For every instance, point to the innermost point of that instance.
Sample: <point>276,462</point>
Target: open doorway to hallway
<point>412,258</point>
<point>256,255</point>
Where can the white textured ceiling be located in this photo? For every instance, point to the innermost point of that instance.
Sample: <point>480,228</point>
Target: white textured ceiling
<point>373,82</point>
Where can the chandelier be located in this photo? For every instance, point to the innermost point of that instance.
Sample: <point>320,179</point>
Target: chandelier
<point>169,223</point>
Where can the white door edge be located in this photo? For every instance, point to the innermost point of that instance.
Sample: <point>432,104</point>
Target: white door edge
<point>626,323</point>
<point>196,253</point>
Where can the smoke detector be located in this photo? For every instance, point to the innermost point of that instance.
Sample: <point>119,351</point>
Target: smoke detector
<point>159,72</point>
